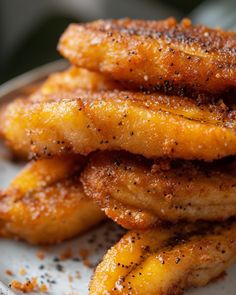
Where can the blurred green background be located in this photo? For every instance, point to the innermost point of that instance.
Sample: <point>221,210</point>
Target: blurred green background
<point>30,29</point>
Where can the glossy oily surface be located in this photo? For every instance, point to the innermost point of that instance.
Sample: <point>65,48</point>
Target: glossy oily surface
<point>153,125</point>
<point>166,55</point>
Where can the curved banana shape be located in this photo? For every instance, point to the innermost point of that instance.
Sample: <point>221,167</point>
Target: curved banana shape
<point>165,261</point>
<point>60,83</point>
<point>166,55</point>
<point>138,193</point>
<point>153,125</point>
<point>46,204</point>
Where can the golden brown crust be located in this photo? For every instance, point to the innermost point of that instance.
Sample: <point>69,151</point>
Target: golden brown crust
<point>165,261</point>
<point>155,54</point>
<point>46,204</point>
<point>153,125</point>
<point>59,84</point>
<point>71,79</point>
<point>138,193</point>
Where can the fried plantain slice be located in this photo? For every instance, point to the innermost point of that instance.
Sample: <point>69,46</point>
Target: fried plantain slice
<point>166,55</point>
<point>46,204</point>
<point>138,193</point>
<point>153,125</point>
<point>72,79</point>
<point>165,261</point>
<point>67,81</point>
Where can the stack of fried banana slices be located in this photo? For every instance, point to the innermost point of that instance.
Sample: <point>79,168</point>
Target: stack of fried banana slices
<point>142,126</point>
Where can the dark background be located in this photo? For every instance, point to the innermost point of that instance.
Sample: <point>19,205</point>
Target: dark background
<point>29,30</point>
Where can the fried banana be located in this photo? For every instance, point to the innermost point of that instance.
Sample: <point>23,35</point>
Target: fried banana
<point>165,261</point>
<point>166,55</point>
<point>46,204</point>
<point>72,79</point>
<point>64,82</point>
<point>138,193</point>
<point>153,125</point>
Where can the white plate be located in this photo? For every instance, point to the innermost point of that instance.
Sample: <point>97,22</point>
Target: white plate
<point>71,276</point>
